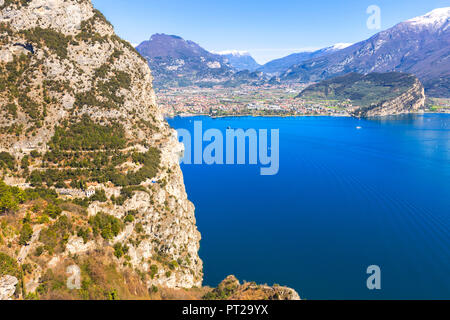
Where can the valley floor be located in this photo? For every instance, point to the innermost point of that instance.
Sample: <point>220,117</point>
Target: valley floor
<point>265,100</point>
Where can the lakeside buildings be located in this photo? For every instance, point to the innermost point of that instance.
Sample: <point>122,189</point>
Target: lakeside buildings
<point>252,100</point>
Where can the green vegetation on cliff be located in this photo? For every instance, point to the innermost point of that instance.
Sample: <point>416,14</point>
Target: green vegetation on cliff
<point>54,238</point>
<point>361,90</point>
<point>10,198</point>
<point>55,41</point>
<point>7,161</point>
<point>7,3</point>
<point>8,266</point>
<point>87,135</point>
<point>106,225</point>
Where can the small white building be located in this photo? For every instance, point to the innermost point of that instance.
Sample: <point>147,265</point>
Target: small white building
<point>90,192</point>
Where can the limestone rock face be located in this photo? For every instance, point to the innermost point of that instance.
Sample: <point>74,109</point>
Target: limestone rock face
<point>69,64</point>
<point>7,287</point>
<point>410,101</point>
<point>372,95</point>
<point>78,114</point>
<point>65,16</point>
<point>232,289</point>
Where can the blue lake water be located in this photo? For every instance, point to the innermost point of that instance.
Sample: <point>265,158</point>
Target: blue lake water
<point>344,199</point>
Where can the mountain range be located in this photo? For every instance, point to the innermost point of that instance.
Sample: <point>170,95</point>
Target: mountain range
<point>241,60</point>
<point>278,66</point>
<point>178,62</point>
<point>419,46</point>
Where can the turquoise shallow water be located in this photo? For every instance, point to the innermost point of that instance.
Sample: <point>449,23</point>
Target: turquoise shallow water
<point>344,199</point>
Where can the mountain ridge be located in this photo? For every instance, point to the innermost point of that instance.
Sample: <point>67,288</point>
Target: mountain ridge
<point>412,47</point>
<point>180,62</point>
<point>278,66</point>
<point>372,95</point>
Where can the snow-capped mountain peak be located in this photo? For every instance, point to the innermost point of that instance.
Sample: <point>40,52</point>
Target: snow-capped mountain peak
<point>437,18</point>
<point>240,60</point>
<point>340,46</point>
<point>235,53</point>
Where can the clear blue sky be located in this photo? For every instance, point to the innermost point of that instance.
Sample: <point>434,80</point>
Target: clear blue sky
<point>267,29</point>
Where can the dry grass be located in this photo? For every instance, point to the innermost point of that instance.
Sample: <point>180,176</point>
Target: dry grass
<point>180,294</point>
<point>101,280</point>
<point>73,208</point>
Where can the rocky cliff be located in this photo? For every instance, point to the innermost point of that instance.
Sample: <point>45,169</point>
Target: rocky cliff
<point>232,289</point>
<point>410,101</point>
<point>78,113</point>
<point>372,95</point>
<point>92,198</point>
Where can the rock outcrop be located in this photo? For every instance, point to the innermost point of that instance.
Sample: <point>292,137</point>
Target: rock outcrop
<point>232,289</point>
<point>410,101</point>
<point>372,95</point>
<point>7,287</point>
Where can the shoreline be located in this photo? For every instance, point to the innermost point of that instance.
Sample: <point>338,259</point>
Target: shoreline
<point>192,115</point>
